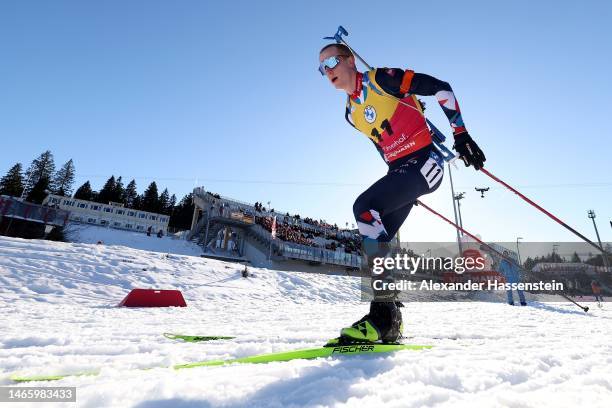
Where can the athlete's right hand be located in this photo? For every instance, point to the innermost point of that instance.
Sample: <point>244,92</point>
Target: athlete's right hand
<point>469,151</point>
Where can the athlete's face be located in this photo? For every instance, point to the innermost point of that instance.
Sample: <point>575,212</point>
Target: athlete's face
<point>342,76</point>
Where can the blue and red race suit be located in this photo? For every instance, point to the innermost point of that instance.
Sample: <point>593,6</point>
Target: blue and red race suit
<point>402,137</point>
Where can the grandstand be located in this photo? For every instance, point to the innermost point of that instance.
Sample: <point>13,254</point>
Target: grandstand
<point>234,230</point>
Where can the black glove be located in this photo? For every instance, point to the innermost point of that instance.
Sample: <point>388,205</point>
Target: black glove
<point>469,151</point>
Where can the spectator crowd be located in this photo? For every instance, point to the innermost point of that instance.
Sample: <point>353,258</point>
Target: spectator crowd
<point>304,231</point>
<point>305,235</point>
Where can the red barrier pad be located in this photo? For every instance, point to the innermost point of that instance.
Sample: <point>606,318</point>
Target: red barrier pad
<point>153,298</point>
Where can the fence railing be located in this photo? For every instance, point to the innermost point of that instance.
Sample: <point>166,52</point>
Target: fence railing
<point>322,255</point>
<point>307,253</point>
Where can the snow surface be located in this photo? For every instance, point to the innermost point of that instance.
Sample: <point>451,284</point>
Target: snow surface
<point>91,234</point>
<point>57,302</point>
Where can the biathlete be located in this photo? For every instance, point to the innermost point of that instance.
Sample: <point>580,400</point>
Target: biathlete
<point>382,103</point>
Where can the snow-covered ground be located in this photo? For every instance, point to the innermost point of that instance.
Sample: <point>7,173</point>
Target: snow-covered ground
<point>57,302</point>
<point>92,234</point>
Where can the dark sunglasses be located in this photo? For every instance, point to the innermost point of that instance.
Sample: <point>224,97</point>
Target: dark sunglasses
<point>330,62</point>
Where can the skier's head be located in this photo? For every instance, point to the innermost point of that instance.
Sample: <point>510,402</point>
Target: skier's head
<point>337,63</point>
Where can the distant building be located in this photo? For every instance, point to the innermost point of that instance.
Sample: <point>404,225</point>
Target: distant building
<point>19,218</point>
<point>113,215</point>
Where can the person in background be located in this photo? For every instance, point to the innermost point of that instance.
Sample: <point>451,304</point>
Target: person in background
<point>596,291</point>
<point>511,272</point>
<point>220,236</point>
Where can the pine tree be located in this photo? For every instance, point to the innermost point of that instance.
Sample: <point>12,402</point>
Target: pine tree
<point>130,194</point>
<point>171,204</point>
<point>137,204</point>
<point>529,263</point>
<point>106,194</point>
<point>118,191</point>
<point>150,199</point>
<point>555,257</point>
<point>12,183</point>
<point>597,260</point>
<point>84,192</point>
<point>39,191</point>
<point>164,201</point>
<point>63,180</point>
<point>43,166</point>
<point>182,215</point>
<point>575,258</point>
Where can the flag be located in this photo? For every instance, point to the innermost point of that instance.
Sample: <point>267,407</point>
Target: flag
<point>274,227</point>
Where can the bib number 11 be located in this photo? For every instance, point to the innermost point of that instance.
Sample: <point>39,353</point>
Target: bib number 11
<point>432,172</point>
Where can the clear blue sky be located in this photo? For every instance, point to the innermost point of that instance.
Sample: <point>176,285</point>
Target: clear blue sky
<point>226,95</point>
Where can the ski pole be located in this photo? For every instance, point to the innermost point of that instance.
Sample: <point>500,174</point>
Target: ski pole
<point>515,191</point>
<point>585,308</point>
<point>439,138</point>
<point>420,203</point>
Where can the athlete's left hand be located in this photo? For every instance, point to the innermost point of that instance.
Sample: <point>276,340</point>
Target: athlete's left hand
<point>469,151</point>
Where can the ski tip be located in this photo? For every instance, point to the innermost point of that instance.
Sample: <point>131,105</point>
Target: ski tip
<point>37,378</point>
<point>24,379</point>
